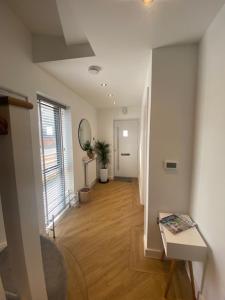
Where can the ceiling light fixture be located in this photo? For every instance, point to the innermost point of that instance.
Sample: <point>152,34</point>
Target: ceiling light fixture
<point>147,2</point>
<point>103,84</point>
<point>94,69</point>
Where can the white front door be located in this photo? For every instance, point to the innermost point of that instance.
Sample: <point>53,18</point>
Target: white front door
<point>126,139</point>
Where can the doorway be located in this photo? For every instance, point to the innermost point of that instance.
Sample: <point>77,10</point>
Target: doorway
<point>126,140</point>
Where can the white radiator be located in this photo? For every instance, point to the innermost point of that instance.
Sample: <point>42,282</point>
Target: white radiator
<point>90,172</point>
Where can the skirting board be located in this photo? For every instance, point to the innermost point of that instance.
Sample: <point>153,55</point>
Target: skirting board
<point>110,178</point>
<point>153,253</point>
<point>201,297</point>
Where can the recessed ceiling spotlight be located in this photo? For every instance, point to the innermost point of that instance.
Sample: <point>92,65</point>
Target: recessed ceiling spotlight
<point>94,69</point>
<point>104,84</point>
<point>147,2</point>
<point>110,95</point>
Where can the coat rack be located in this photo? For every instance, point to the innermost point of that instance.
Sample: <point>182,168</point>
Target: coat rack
<point>5,100</point>
<point>3,126</point>
<point>6,92</point>
<point>18,198</point>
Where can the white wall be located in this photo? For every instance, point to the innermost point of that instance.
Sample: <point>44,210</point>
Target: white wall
<point>208,191</point>
<point>2,229</point>
<point>174,71</point>
<point>106,118</point>
<point>20,74</point>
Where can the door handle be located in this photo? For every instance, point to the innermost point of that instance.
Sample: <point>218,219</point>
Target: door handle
<point>125,154</point>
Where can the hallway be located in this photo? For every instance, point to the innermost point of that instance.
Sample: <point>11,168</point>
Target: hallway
<point>102,242</point>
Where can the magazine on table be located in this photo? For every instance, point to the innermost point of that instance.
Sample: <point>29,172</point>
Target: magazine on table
<point>176,223</point>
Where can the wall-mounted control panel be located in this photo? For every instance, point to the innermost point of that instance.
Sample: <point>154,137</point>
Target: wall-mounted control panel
<point>170,165</point>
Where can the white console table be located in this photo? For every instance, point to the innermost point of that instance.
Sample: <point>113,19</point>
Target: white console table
<point>187,245</point>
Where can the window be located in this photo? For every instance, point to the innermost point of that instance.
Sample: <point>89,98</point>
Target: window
<point>56,175</point>
<point>125,133</point>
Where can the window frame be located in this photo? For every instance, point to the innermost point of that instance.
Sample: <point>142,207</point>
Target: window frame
<point>41,100</point>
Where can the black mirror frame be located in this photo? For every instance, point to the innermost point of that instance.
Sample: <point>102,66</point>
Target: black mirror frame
<point>79,132</point>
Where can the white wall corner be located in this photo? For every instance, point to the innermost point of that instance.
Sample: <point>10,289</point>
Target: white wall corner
<point>152,253</point>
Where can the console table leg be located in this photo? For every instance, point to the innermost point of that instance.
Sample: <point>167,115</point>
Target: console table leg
<point>192,280</point>
<point>172,268</point>
<point>163,255</point>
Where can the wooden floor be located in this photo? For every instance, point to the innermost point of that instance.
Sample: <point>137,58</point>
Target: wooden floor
<point>102,242</point>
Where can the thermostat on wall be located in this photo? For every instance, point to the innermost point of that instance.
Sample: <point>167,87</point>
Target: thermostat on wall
<point>170,165</point>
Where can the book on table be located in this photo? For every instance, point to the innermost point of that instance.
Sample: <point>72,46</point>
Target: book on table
<point>176,223</point>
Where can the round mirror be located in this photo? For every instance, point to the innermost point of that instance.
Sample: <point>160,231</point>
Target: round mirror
<point>84,132</point>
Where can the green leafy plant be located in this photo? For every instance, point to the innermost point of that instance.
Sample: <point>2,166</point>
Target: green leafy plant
<point>103,152</point>
<point>89,149</point>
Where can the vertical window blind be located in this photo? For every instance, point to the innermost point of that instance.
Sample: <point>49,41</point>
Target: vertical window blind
<point>54,159</point>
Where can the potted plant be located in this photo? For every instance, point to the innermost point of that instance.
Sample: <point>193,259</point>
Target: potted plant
<point>89,149</point>
<point>102,151</point>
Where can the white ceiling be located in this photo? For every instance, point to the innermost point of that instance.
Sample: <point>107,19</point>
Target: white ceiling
<point>121,33</point>
<point>40,16</point>
<point>43,17</point>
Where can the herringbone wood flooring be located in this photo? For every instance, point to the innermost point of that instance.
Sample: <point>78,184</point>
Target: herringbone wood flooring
<point>102,242</point>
